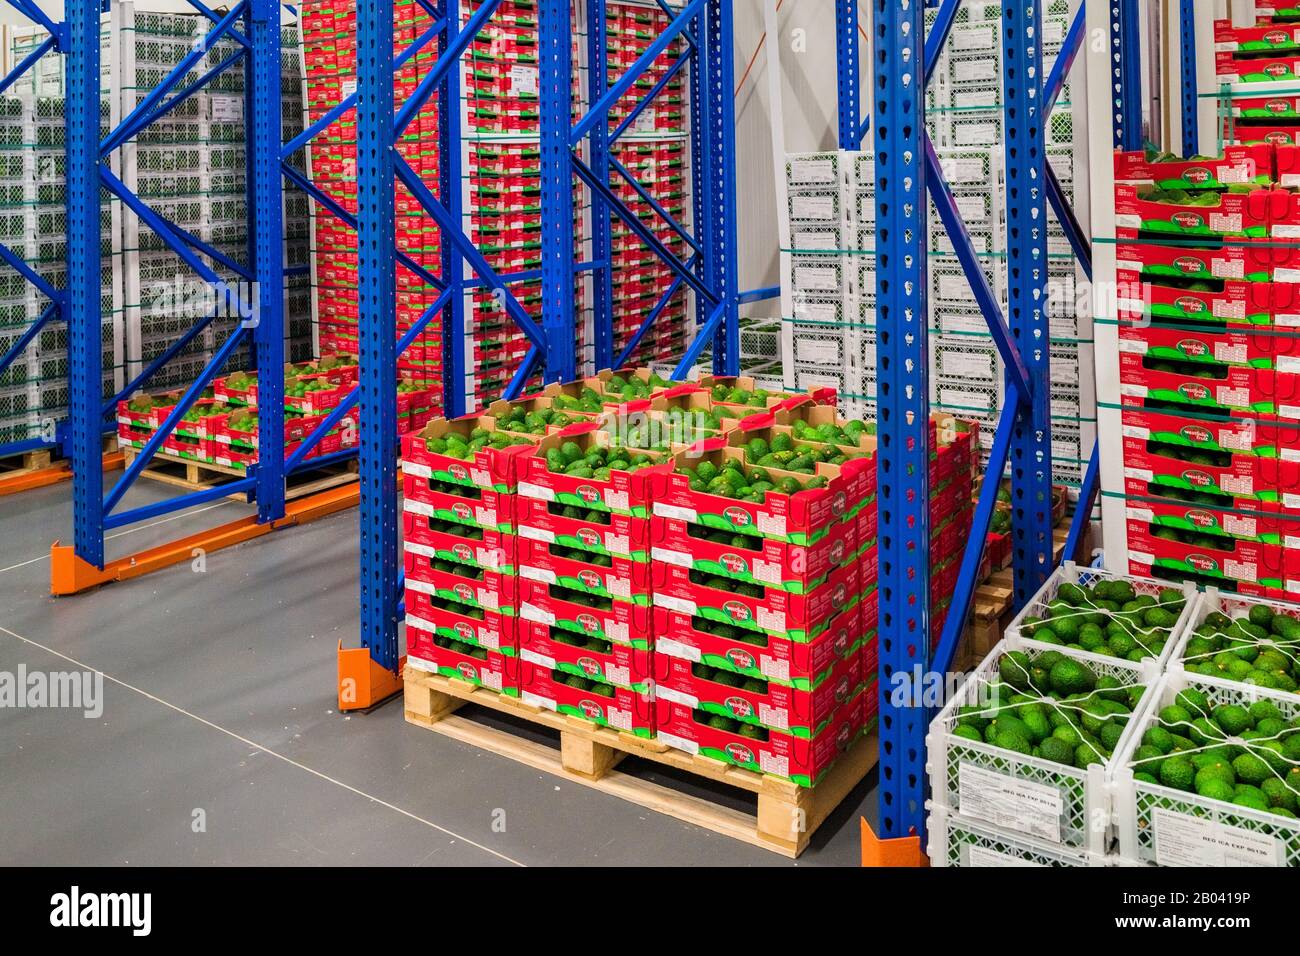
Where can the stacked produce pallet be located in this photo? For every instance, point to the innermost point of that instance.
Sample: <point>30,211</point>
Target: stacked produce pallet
<point>1024,758</point>
<point>1205,378</point>
<point>221,428</point>
<point>692,565</point>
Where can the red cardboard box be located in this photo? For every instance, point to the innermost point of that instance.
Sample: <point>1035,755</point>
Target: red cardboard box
<point>619,621</point>
<point>485,629</point>
<point>602,704</point>
<point>490,468</point>
<point>454,501</point>
<point>485,588</point>
<point>482,668</point>
<point>591,657</point>
<point>623,492</point>
<point>466,544</point>
<point>602,532</point>
<point>609,576</point>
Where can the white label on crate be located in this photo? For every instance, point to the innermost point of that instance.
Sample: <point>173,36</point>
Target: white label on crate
<point>820,239</point>
<point>769,620</point>
<point>1054,31</point>
<point>680,605</point>
<point>672,648</point>
<point>418,507</point>
<point>1142,557</point>
<point>769,572</point>
<point>1183,840</point>
<point>1124,221</point>
<point>536,534</point>
<point>977,134</point>
<point>1234,354</point>
<point>619,587</point>
<point>523,80</point>
<point>347,87</point>
<point>1139,474</point>
<point>960,169</point>
<point>812,207</point>
<point>819,278</point>
<point>1128,265</point>
<point>532,657</point>
<point>678,743</point>
<point>1287,319</point>
<point>1240,525</point>
<point>618,674</point>
<point>1237,397</point>
<point>421,549</point>
<point>770,523</point>
<point>480,477</point>
<point>954,287</point>
<point>817,352</point>
<point>1065,373</point>
<point>1286,363</point>
<point>962,322</point>
<point>487,516</point>
<point>974,38</point>
<point>1279,274</point>
<point>983,856</point>
<point>1020,805</point>
<point>617,631</point>
<point>1141,514</point>
<point>1065,407</point>
<point>777,717</point>
<point>676,512</point>
<point>536,700</point>
<point>675,696</point>
<point>420,663</point>
<point>616,500</point>
<point>773,669</point>
<point>975,71</point>
<point>618,543</point>
<point>771,763</point>
<point>1288,411</point>
<point>531,612</point>
<point>681,559</point>
<point>975,99</point>
<point>1290,180</point>
<point>416,469</point>
<point>530,490</point>
<point>421,623</point>
<point>1065,450</point>
<point>646,121</point>
<point>537,574</point>
<point>972,207</point>
<point>227,109</point>
<point>962,365</point>
<point>808,172</point>
<point>817,311</point>
<point>1286,232</point>
<point>423,587</point>
<point>489,599</point>
<point>1241,570</point>
<point>489,639</point>
<point>956,398</point>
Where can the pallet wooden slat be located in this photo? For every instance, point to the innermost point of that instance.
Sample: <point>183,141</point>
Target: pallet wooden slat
<point>200,475</point>
<point>787,814</point>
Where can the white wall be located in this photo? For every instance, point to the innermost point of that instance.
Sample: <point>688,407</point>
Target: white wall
<point>809,120</point>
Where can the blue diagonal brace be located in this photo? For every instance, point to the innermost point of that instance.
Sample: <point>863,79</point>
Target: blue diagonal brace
<point>649,98</point>
<point>1083,510</point>
<point>650,201</point>
<point>30,274</point>
<point>448,58</point>
<point>27,337</point>
<point>16,73</point>
<point>650,319</point>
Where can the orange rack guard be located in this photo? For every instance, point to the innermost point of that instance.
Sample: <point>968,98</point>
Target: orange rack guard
<point>899,851</point>
<point>363,683</point>
<point>69,574</point>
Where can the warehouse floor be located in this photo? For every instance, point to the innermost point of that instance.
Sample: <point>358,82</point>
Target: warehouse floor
<point>218,697</point>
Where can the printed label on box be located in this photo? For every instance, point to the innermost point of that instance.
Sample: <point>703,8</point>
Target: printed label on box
<point>812,207</point>
<point>227,109</point>
<point>1020,805</point>
<point>1182,840</point>
<point>983,856</point>
<point>523,80</point>
<point>817,353</point>
<point>804,172</point>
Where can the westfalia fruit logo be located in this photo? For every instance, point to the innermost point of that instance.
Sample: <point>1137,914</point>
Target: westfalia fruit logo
<point>1202,519</point>
<point>736,611</point>
<point>1276,38</point>
<point>739,753</point>
<point>463,631</point>
<point>1197,479</point>
<point>1197,433</point>
<point>842,691</point>
<point>840,503</point>
<point>459,472</point>
<point>1278,107</point>
<point>1278,138</point>
<point>1197,175</point>
<point>463,552</point>
<point>588,493</point>
<point>467,671</point>
<point>1189,265</point>
<point>589,579</point>
<point>739,707</point>
<point>588,537</point>
<point>462,510</point>
<point>837,551</point>
<point>1202,563</point>
<point>1193,348</point>
<point>1188,220</point>
<point>1190,305</point>
<point>588,623</point>
<point>733,563</point>
<point>843,737</point>
<point>590,666</point>
<point>464,592</point>
<point>741,660</point>
<point>841,642</point>
<point>1194,391</point>
<point>839,595</point>
<point>1277,69</point>
<point>737,516</point>
<point>591,710</point>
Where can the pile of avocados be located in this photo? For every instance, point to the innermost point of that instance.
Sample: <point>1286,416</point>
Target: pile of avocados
<point>1260,648</point>
<point>1108,618</point>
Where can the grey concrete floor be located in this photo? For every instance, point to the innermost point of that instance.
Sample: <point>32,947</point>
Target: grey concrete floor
<point>219,711</point>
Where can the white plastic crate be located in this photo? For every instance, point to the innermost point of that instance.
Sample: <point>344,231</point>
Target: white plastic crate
<point>806,237</point>
<point>1071,573</point>
<point>1049,802</point>
<point>965,358</point>
<point>980,399</point>
<point>820,275</point>
<point>958,842</point>
<point>823,207</point>
<point>864,170</point>
<point>1233,606</point>
<point>977,128</point>
<point>949,284</point>
<point>1169,827</point>
<point>816,171</point>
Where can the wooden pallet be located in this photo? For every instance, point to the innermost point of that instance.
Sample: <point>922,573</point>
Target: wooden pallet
<point>26,462</point>
<point>787,814</point>
<point>200,476</point>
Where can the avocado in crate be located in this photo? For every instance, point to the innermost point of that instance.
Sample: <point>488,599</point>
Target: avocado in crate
<point>1249,642</point>
<point>1111,616</point>
<point>1211,777</point>
<point>1028,741</point>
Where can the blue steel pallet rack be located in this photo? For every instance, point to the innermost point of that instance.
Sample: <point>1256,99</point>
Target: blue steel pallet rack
<point>257,299</point>
<point>368,673</point>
